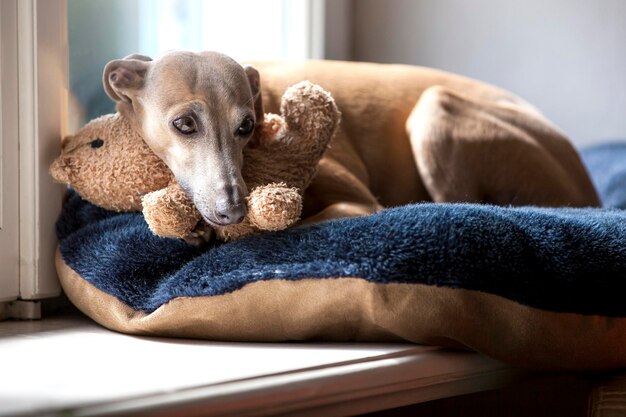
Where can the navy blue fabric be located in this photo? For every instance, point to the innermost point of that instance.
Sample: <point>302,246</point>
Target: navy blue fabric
<point>571,260</point>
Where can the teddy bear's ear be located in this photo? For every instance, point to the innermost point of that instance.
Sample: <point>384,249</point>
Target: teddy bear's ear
<point>123,78</point>
<point>254,79</point>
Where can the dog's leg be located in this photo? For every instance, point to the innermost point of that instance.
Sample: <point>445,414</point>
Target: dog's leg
<point>494,152</point>
<point>336,192</point>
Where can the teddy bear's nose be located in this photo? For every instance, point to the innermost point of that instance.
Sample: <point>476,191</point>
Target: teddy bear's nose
<point>59,171</point>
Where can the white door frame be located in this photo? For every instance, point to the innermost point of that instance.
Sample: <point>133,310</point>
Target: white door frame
<point>43,81</point>
<point>34,74</point>
<point>9,196</point>
<point>42,60</point>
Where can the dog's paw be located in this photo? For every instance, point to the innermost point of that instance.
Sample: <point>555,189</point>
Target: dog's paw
<point>201,234</point>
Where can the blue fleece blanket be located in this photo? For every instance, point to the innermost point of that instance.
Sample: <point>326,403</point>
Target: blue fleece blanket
<point>571,260</point>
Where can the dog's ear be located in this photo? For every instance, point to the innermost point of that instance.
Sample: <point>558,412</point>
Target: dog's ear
<point>138,57</point>
<point>123,78</point>
<point>254,79</point>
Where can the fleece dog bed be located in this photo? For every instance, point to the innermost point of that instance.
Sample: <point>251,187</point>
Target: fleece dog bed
<point>530,286</point>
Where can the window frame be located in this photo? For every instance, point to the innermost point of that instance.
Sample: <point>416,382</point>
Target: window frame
<point>9,204</point>
<point>34,96</point>
<point>39,101</point>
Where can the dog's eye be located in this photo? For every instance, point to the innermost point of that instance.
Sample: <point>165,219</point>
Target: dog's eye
<point>185,125</point>
<point>96,143</point>
<point>246,127</point>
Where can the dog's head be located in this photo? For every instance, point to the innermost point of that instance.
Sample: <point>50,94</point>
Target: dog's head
<point>196,111</point>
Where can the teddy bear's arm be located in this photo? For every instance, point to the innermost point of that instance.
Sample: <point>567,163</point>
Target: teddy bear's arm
<point>274,206</point>
<point>271,207</point>
<point>170,213</point>
<point>284,159</point>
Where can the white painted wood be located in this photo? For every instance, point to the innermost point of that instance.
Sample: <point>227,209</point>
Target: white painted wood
<point>42,60</point>
<point>328,29</point>
<point>99,372</point>
<point>9,197</point>
<point>316,31</point>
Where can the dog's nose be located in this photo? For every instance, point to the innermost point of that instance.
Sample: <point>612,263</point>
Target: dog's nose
<point>228,213</point>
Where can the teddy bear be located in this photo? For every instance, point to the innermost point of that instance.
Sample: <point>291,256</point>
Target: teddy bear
<point>108,164</point>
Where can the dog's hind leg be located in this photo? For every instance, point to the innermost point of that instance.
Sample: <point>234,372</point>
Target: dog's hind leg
<point>502,153</point>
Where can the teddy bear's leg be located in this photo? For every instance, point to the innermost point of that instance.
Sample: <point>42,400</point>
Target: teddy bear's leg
<point>336,192</point>
<point>494,152</point>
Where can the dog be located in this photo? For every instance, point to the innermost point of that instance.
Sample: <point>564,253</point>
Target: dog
<point>408,134</point>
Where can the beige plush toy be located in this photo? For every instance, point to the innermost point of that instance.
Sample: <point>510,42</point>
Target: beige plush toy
<point>108,163</point>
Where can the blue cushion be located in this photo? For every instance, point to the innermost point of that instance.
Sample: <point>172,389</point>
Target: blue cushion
<point>540,287</point>
<point>557,259</point>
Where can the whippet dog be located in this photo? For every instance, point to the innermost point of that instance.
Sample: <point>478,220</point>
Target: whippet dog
<point>408,134</point>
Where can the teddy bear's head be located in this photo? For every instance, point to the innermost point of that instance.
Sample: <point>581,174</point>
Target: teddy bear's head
<point>108,163</point>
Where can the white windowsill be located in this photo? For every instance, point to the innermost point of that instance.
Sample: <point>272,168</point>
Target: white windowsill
<point>73,365</point>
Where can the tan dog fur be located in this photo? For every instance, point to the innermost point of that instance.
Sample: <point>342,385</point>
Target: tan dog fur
<point>408,134</point>
<point>413,134</point>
